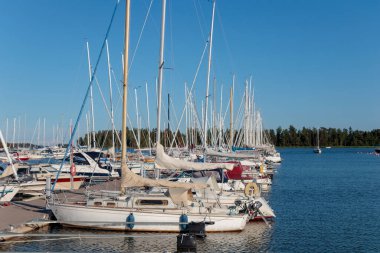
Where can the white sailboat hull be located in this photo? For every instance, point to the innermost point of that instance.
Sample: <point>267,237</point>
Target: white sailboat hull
<point>273,159</point>
<point>154,221</point>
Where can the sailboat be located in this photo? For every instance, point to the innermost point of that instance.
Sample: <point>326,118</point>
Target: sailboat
<point>317,149</point>
<point>144,204</point>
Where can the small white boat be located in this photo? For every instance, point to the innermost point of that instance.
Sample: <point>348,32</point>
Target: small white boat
<point>32,180</point>
<point>86,166</point>
<point>317,149</point>
<point>274,158</point>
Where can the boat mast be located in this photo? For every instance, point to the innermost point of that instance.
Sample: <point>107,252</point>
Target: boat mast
<point>91,97</point>
<point>246,115</point>
<point>231,117</point>
<point>318,137</point>
<point>24,139</point>
<point>124,166</point>
<point>14,133</point>
<point>147,108</point>
<point>187,132</point>
<point>137,120</point>
<point>213,115</point>
<point>18,132</point>
<point>44,136</point>
<point>6,132</point>
<point>220,117</point>
<point>168,136</point>
<point>87,131</point>
<point>111,102</point>
<point>160,72</point>
<point>39,131</point>
<point>208,76</point>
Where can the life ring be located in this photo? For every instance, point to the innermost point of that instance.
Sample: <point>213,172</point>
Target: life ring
<point>251,189</point>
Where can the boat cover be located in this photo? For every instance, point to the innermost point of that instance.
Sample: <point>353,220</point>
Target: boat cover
<point>231,154</point>
<point>163,161</point>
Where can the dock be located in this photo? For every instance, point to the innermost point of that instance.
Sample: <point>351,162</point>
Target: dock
<point>16,215</point>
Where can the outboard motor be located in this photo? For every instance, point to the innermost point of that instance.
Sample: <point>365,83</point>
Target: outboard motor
<point>253,208</point>
<point>186,240</point>
<point>186,243</point>
<point>238,202</point>
<point>197,229</point>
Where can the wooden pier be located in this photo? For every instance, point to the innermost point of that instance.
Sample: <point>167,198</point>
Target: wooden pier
<point>16,215</point>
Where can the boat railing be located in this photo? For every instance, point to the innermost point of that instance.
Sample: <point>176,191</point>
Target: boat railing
<point>60,197</point>
<point>103,194</point>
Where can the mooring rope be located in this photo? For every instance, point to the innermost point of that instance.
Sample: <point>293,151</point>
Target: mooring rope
<point>78,236</point>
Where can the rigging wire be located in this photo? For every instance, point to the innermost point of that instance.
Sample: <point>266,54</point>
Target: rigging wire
<point>191,88</point>
<point>87,93</point>
<point>231,60</point>
<point>199,17</point>
<point>140,35</point>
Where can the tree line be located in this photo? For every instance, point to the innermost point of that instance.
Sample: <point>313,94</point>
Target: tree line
<point>280,137</point>
<point>292,137</point>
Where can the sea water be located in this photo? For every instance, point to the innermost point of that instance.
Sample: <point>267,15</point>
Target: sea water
<point>327,202</point>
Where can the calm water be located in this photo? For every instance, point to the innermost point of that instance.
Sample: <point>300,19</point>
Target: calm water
<point>324,203</point>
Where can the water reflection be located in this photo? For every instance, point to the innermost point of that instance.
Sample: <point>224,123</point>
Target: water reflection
<point>325,203</point>
<point>256,237</point>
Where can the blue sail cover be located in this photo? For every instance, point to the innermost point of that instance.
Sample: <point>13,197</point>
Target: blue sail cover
<point>241,148</point>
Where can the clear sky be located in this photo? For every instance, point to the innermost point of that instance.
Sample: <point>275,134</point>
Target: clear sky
<point>314,63</point>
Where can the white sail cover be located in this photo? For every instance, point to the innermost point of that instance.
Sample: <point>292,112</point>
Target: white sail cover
<point>130,179</point>
<point>232,155</point>
<point>163,161</point>
<point>181,196</point>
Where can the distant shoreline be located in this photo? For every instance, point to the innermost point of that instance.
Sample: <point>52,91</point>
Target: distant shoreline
<point>327,146</point>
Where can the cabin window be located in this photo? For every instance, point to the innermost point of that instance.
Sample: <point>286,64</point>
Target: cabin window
<point>152,202</point>
<point>197,174</point>
<point>111,204</point>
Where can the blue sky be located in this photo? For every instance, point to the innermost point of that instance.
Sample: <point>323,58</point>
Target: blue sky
<point>314,63</point>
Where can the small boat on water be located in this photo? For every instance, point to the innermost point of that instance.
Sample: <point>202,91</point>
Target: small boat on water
<point>377,150</point>
<point>317,149</point>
